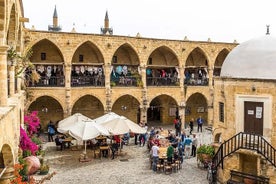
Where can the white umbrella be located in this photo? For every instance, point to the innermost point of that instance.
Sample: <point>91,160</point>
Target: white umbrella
<point>122,125</point>
<point>81,128</point>
<point>107,117</point>
<point>71,120</point>
<point>86,130</point>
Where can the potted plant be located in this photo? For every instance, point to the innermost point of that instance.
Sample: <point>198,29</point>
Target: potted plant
<point>44,168</point>
<point>205,152</point>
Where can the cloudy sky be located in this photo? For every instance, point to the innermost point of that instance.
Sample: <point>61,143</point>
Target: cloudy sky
<point>220,20</point>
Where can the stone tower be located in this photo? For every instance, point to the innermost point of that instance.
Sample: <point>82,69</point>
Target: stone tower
<point>106,29</point>
<point>55,26</point>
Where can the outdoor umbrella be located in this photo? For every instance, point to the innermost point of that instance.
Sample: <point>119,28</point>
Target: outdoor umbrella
<point>122,125</point>
<point>71,120</point>
<point>81,128</point>
<point>107,117</point>
<point>86,130</point>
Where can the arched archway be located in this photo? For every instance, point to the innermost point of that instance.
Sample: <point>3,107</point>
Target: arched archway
<point>125,63</point>
<point>127,106</point>
<point>196,66</point>
<point>196,106</point>
<point>163,109</point>
<point>162,68</point>
<point>87,66</point>
<point>49,63</point>
<point>89,106</point>
<point>6,156</point>
<point>49,109</point>
<point>219,61</point>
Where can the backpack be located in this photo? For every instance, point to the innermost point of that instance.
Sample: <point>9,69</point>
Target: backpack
<point>51,130</point>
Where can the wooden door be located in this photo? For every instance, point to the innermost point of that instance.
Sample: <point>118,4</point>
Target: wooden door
<point>253,117</point>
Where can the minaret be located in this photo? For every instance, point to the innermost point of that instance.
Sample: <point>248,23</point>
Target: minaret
<point>106,29</point>
<point>55,17</point>
<point>55,26</point>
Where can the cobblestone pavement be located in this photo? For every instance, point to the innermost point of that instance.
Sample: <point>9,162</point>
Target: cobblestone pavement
<point>131,167</point>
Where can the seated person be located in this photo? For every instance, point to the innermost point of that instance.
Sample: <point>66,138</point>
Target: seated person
<point>59,141</point>
<point>104,152</point>
<point>170,153</point>
<point>126,138</point>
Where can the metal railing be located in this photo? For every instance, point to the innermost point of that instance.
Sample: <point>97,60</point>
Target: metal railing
<point>196,81</point>
<point>49,82</point>
<point>162,81</point>
<point>87,81</point>
<point>245,141</point>
<point>125,81</point>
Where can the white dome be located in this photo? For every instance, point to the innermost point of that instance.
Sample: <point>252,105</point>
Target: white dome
<point>253,59</point>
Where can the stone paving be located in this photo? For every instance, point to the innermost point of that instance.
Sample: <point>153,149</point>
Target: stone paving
<point>131,167</point>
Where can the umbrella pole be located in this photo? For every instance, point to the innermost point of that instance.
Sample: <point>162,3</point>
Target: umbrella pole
<point>85,148</point>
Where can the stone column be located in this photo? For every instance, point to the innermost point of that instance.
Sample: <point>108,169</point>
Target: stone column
<point>67,74</point>
<point>12,79</point>
<point>3,76</point>
<point>143,75</point>
<point>210,74</point>
<point>182,76</point>
<point>107,73</point>
<point>144,106</point>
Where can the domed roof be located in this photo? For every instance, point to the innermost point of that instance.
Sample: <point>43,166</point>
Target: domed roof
<point>253,59</point>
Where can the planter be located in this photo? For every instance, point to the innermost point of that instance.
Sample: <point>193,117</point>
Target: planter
<point>43,172</point>
<point>204,157</point>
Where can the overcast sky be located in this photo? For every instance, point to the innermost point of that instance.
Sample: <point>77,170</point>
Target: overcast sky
<point>220,20</point>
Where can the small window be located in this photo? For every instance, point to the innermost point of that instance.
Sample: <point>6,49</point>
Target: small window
<point>114,59</point>
<point>221,112</point>
<point>80,58</point>
<point>43,56</point>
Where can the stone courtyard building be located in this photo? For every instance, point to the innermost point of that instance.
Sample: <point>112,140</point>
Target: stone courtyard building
<point>244,113</point>
<point>145,79</point>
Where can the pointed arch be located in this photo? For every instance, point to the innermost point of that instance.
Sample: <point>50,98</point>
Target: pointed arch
<point>163,56</point>
<point>128,106</point>
<point>48,48</point>
<point>197,58</point>
<point>49,108</point>
<point>196,105</point>
<point>2,16</point>
<point>11,33</point>
<point>196,68</point>
<point>89,106</point>
<point>162,108</point>
<point>88,53</point>
<point>125,54</point>
<point>219,61</point>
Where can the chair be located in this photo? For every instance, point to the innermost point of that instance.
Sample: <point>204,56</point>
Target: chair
<point>160,166</point>
<point>168,168</point>
<point>97,153</point>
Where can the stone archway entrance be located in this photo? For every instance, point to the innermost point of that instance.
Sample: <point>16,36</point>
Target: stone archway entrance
<point>127,106</point>
<point>196,106</point>
<point>48,109</point>
<point>163,110</point>
<point>89,106</point>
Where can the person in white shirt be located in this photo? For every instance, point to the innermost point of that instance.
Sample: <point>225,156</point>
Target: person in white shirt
<point>155,157</point>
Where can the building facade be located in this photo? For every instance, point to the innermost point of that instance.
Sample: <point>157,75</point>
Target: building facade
<point>244,113</point>
<point>12,97</point>
<point>144,79</point>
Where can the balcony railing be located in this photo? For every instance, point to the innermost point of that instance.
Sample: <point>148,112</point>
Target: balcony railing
<point>162,81</point>
<point>125,81</point>
<point>87,81</point>
<point>49,82</point>
<point>196,81</point>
